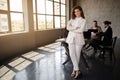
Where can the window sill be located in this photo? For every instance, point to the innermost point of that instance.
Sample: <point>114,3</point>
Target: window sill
<point>49,29</point>
<point>12,33</point>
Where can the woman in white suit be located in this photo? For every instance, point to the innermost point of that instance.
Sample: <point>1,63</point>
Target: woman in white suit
<point>75,38</point>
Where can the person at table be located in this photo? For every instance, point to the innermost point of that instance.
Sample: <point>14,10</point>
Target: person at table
<point>107,33</point>
<point>97,29</point>
<point>75,38</point>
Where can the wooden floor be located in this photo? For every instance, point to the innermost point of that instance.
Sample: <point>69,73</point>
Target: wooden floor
<point>45,63</point>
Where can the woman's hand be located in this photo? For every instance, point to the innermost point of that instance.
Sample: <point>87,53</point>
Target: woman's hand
<point>77,27</point>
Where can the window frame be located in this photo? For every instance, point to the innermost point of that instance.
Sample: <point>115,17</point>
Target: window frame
<point>8,13</point>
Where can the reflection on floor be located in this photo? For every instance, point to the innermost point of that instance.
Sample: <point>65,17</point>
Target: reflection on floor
<point>45,63</point>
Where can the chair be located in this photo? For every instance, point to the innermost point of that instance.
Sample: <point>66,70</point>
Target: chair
<point>109,48</point>
<point>65,45</point>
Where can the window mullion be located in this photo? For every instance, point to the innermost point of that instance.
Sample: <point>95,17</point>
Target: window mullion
<point>45,16</point>
<point>9,17</point>
<point>60,13</point>
<point>53,15</point>
<point>3,11</point>
<point>16,12</point>
<point>36,15</point>
<point>65,13</point>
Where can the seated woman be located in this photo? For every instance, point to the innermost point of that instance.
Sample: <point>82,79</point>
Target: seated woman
<point>106,34</point>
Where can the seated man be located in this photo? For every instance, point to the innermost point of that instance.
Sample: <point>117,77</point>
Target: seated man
<point>95,30</point>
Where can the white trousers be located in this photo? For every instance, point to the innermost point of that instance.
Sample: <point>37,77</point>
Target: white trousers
<point>75,52</point>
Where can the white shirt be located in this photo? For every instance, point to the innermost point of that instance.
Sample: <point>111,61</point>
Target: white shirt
<point>105,29</point>
<point>75,28</point>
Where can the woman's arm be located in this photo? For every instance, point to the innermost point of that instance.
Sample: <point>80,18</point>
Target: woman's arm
<point>69,26</point>
<point>99,29</point>
<point>80,27</point>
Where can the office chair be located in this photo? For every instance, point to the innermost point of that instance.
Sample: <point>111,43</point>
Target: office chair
<point>109,48</point>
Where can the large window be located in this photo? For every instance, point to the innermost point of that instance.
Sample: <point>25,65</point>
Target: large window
<point>49,14</point>
<point>11,16</point>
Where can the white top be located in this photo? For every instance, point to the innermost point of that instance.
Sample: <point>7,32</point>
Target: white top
<point>105,29</point>
<point>93,35</point>
<point>75,28</point>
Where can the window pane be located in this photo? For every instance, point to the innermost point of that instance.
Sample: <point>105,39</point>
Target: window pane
<point>17,22</point>
<point>3,22</point>
<point>57,8</point>
<point>62,9</point>
<point>62,22</point>
<point>41,22</point>
<point>63,1</point>
<point>49,22</point>
<point>3,4</point>
<point>35,22</point>
<point>57,22</point>
<point>49,7</point>
<point>41,6</point>
<point>34,8</point>
<point>16,5</point>
<point>57,0</point>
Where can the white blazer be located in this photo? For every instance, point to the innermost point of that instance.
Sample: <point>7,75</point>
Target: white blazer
<point>76,28</point>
